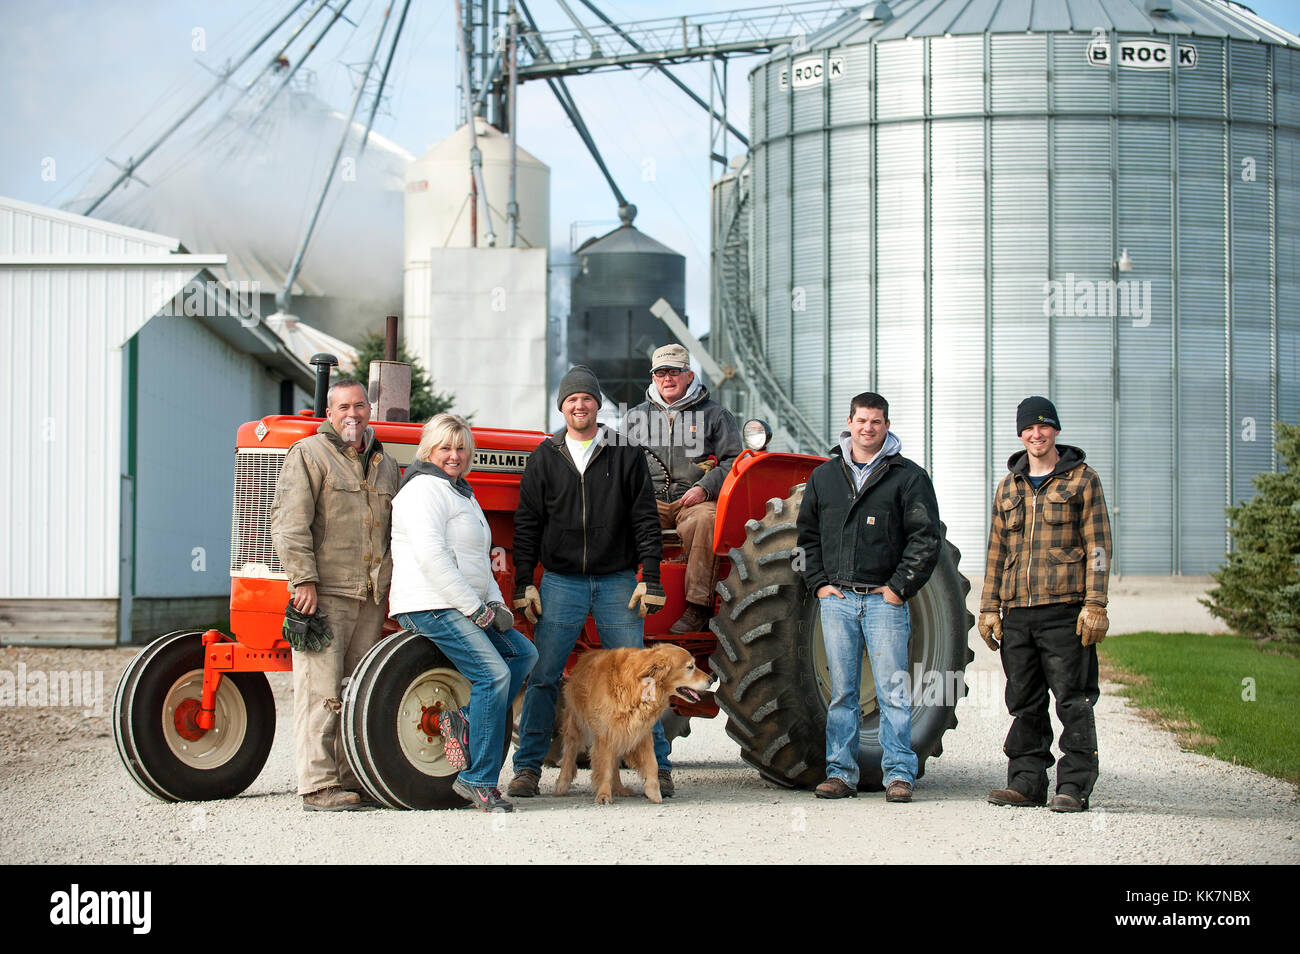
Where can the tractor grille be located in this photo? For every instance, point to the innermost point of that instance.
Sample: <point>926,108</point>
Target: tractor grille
<point>251,553</point>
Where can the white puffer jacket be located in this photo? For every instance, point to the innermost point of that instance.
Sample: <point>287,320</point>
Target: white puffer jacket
<point>441,550</point>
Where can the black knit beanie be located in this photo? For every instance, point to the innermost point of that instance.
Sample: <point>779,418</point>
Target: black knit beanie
<point>580,379</point>
<point>1036,410</point>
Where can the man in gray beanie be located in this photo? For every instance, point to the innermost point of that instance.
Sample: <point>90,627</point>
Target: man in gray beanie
<point>587,515</point>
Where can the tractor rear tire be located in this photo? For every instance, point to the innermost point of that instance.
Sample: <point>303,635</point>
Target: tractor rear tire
<point>401,766</point>
<point>221,762</point>
<point>770,660</point>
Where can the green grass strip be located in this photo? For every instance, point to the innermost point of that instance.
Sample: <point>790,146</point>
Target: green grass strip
<point>1219,694</point>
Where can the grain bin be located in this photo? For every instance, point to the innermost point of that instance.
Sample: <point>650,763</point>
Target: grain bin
<point>961,202</point>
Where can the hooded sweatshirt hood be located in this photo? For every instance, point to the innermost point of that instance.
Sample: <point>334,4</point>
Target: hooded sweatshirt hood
<point>696,392</point>
<point>1071,457</point>
<point>418,467</point>
<point>893,445</point>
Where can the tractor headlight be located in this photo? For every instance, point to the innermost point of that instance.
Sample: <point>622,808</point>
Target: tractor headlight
<point>756,434</point>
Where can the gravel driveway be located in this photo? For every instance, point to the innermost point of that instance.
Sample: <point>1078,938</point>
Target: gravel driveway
<point>67,799</point>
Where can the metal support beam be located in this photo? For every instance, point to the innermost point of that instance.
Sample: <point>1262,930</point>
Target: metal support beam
<point>671,76</point>
<point>512,51</point>
<point>283,299</point>
<point>270,63</point>
<point>477,188</point>
<point>383,77</point>
<point>626,211</point>
<point>225,74</point>
<point>664,312</point>
<point>338,14</point>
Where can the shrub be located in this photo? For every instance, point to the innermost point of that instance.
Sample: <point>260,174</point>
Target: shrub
<point>1259,583</point>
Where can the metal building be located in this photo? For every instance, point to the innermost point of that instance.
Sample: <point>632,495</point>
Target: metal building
<point>127,368</point>
<point>475,314</point>
<point>619,275</point>
<point>958,203</point>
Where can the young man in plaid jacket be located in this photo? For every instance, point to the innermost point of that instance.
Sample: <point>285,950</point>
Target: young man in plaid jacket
<point>1044,599</point>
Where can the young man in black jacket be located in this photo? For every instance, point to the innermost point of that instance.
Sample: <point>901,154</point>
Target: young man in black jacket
<point>869,533</point>
<point>587,514</point>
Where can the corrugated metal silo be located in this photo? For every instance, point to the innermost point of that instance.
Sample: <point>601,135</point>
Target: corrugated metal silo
<point>942,194</point>
<point>611,330</point>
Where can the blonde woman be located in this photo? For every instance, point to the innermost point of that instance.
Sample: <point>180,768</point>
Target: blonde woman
<point>443,588</point>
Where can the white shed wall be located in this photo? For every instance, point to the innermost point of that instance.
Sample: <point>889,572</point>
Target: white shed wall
<point>62,328</point>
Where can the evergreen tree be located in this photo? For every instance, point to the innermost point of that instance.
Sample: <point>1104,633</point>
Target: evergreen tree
<point>1259,585</point>
<point>425,402</point>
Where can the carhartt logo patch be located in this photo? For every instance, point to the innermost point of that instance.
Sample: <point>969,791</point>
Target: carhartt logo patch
<point>871,521</point>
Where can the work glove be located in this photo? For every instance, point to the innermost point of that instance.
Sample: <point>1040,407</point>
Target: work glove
<point>990,627</point>
<point>529,600</point>
<point>503,620</point>
<point>1092,624</point>
<point>309,634</point>
<point>651,597</point>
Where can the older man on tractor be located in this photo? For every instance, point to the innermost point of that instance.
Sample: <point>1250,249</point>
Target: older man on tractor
<point>692,441</point>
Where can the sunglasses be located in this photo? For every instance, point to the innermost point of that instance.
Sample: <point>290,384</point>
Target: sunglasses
<point>666,372</point>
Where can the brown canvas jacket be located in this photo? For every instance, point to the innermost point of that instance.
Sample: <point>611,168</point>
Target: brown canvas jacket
<point>1052,546</point>
<point>331,515</point>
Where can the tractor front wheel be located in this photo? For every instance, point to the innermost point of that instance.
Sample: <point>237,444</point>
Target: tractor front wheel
<point>154,711</point>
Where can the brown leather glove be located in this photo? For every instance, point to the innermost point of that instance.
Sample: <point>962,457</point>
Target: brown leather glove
<point>1092,624</point>
<point>529,600</point>
<point>990,627</point>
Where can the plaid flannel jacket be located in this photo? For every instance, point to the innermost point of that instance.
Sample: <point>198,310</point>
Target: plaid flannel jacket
<point>1052,546</point>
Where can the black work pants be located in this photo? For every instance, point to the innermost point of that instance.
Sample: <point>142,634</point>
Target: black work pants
<point>1040,651</point>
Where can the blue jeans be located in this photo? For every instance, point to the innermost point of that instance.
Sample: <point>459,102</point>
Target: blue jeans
<point>496,665</point>
<point>567,598</point>
<point>846,624</point>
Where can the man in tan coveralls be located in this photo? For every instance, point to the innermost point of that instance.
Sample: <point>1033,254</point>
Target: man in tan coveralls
<point>696,441</point>
<point>330,528</point>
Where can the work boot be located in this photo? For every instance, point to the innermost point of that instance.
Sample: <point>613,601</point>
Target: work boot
<point>899,791</point>
<point>332,799</point>
<point>694,620</point>
<point>1009,796</point>
<point>1065,802</point>
<point>666,787</point>
<point>524,784</point>
<point>835,787</point>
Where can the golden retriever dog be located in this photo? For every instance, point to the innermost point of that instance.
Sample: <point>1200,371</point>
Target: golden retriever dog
<point>613,698</point>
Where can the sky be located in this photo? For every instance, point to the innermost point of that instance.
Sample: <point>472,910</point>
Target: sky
<point>83,82</point>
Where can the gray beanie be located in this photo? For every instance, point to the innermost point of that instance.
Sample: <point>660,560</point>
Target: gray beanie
<point>580,379</point>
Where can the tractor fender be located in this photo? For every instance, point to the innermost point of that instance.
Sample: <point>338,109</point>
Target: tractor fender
<point>755,478</point>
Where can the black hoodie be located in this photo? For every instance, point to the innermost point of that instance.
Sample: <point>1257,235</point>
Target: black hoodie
<point>600,521</point>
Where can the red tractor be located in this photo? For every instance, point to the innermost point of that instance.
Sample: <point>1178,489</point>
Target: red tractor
<point>194,718</point>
